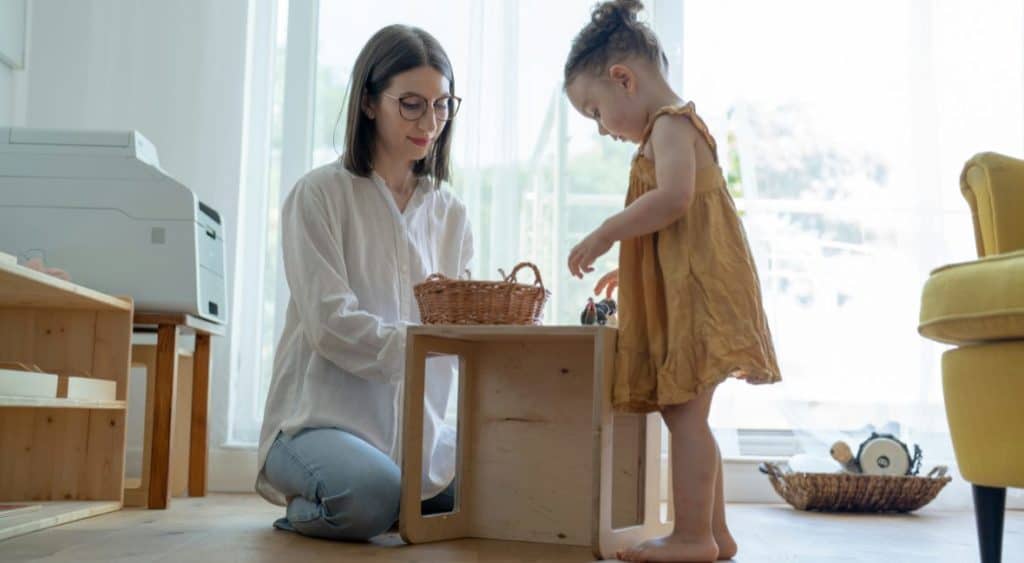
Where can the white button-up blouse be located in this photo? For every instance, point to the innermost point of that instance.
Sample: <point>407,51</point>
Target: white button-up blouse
<point>351,259</point>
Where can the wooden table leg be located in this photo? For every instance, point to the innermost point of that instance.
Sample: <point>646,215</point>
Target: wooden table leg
<point>200,394</point>
<point>413,527</point>
<point>164,387</point>
<point>607,540</point>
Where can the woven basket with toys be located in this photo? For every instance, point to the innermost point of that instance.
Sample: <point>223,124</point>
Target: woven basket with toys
<point>882,477</point>
<point>443,300</point>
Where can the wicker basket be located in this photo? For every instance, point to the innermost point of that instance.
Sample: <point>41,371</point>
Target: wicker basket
<point>845,492</point>
<point>443,300</point>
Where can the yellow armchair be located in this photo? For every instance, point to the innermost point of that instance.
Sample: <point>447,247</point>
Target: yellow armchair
<point>979,307</point>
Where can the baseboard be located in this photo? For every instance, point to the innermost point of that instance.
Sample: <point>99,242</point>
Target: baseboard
<point>132,461</point>
<point>231,470</point>
<point>743,482</point>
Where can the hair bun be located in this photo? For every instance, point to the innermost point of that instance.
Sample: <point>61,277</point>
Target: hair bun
<point>613,33</point>
<point>610,15</point>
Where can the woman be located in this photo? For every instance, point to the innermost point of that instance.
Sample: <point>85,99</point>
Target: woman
<point>358,234</point>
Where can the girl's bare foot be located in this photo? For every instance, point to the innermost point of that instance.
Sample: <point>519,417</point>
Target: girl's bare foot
<point>673,548</point>
<point>727,547</point>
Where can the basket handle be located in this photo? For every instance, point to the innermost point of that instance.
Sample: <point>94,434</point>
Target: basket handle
<point>776,476</point>
<point>436,277</point>
<point>770,469</point>
<point>536,274</point>
<point>939,471</point>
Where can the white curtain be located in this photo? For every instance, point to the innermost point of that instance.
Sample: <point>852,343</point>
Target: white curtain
<point>535,178</point>
<point>842,128</point>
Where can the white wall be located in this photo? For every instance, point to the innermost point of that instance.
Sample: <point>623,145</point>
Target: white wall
<point>6,94</point>
<point>14,18</point>
<point>171,70</point>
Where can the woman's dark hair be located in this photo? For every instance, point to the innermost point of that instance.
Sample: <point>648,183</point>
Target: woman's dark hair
<point>614,33</point>
<point>393,50</point>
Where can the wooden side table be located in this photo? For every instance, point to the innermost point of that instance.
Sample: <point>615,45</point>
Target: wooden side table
<point>162,376</point>
<point>541,456</point>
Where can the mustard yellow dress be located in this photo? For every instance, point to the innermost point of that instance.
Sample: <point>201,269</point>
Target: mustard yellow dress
<point>690,311</point>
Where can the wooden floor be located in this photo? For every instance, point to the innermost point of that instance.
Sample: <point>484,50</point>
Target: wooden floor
<point>237,528</point>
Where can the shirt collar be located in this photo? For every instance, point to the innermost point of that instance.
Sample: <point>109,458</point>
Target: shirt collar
<point>422,187</point>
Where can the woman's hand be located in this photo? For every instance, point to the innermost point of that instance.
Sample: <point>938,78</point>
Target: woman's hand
<point>608,283</point>
<point>582,257</point>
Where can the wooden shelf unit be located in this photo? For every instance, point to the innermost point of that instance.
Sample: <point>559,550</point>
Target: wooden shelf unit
<point>66,455</point>
<point>57,403</point>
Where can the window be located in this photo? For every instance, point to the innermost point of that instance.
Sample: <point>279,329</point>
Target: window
<point>842,128</point>
<point>535,176</point>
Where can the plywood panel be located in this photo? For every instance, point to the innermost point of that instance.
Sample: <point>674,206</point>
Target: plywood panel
<point>64,341</point>
<point>53,514</point>
<point>520,333</point>
<point>103,467</point>
<point>413,526</point>
<point>56,341</point>
<point>21,287</point>
<point>17,335</point>
<point>61,454</point>
<point>112,349</point>
<point>49,446</point>
<point>531,469</point>
<point>182,427</point>
<point>628,470</point>
<point>47,403</point>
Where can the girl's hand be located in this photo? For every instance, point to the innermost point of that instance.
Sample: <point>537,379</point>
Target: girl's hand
<point>582,257</point>
<point>608,282</point>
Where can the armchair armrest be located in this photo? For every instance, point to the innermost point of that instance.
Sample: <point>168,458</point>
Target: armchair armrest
<point>993,185</point>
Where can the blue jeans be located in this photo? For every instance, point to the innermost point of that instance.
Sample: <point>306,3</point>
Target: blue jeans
<point>341,487</point>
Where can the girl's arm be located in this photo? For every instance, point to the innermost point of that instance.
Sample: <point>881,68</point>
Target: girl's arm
<point>675,164</point>
<point>348,336</point>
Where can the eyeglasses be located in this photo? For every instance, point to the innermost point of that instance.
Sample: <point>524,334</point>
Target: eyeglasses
<point>413,106</point>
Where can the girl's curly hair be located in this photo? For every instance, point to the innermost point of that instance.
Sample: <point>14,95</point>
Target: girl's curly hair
<point>614,33</point>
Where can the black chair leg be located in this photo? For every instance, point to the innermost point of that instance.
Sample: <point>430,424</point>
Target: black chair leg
<point>989,506</point>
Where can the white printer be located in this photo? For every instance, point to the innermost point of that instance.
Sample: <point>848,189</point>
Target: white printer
<point>97,204</point>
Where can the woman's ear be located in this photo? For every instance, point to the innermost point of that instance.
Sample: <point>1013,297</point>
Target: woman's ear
<point>623,76</point>
<point>367,106</point>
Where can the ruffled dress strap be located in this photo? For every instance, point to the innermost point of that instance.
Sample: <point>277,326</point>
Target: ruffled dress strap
<point>690,111</point>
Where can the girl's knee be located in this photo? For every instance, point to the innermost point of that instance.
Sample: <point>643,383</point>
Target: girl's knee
<point>685,417</point>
